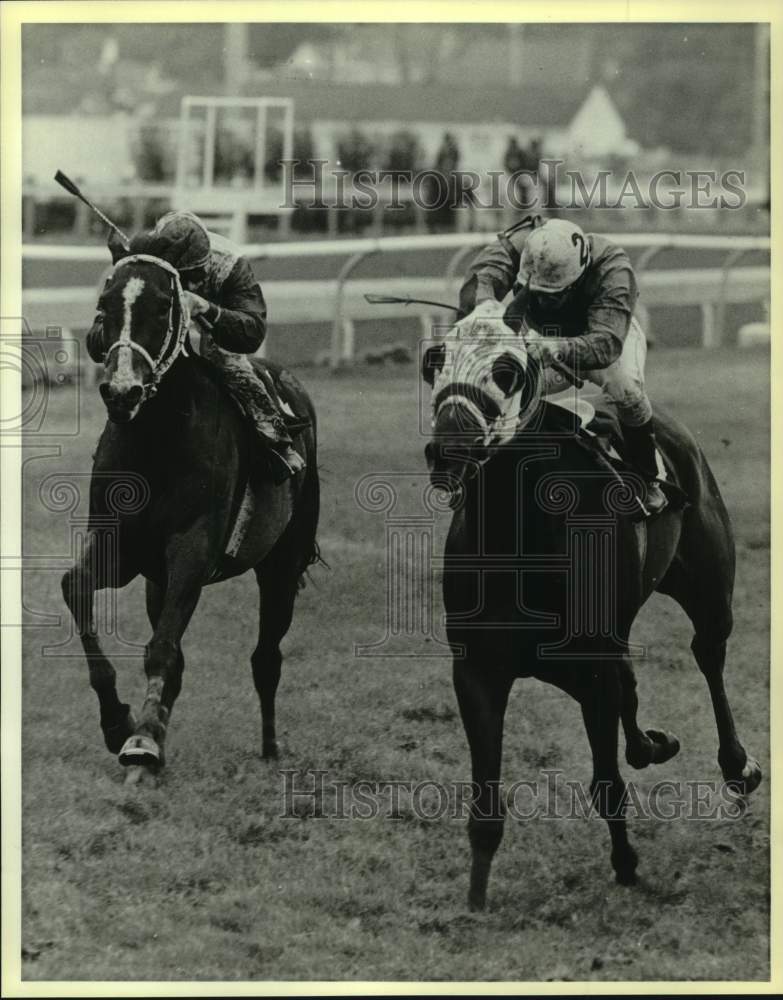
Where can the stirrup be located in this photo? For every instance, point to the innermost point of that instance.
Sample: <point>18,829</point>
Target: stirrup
<point>295,425</point>
<point>646,510</point>
<point>285,464</point>
<point>659,498</point>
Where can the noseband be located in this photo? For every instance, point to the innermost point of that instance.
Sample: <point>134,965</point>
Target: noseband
<point>174,342</point>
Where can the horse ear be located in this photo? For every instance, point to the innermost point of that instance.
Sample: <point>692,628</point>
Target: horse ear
<point>508,373</point>
<point>432,362</point>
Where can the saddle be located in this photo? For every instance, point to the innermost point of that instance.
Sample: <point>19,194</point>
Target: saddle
<point>262,467</point>
<point>594,421</point>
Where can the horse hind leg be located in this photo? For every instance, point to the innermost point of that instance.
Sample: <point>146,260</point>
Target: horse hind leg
<point>279,577</point>
<point>277,597</point>
<point>706,599</point>
<point>740,771</point>
<point>79,585</point>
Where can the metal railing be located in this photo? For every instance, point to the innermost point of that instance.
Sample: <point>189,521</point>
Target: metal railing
<point>711,288</point>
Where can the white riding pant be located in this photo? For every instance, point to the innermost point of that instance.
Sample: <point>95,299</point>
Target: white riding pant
<point>622,382</point>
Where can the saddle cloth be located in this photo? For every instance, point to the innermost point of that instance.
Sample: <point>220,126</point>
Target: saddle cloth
<point>247,506</point>
<point>598,418</point>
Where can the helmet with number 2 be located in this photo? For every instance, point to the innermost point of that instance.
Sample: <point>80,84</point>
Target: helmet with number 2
<point>554,257</point>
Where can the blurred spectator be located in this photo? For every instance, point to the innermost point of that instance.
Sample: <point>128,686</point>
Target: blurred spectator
<point>522,176</point>
<point>547,183</point>
<point>442,191</point>
<point>234,162</point>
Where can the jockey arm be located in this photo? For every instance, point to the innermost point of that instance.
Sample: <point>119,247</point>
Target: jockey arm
<point>238,321</point>
<point>493,272</point>
<point>608,316</point>
<point>491,277</point>
<point>607,323</point>
<point>95,346</point>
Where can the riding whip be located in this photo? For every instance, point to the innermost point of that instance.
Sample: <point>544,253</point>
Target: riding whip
<point>406,300</point>
<point>71,188</point>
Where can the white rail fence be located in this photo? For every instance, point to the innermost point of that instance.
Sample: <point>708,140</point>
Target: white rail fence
<point>340,300</point>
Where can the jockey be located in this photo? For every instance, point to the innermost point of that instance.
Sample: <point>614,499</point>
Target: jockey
<point>222,291</point>
<point>574,297</point>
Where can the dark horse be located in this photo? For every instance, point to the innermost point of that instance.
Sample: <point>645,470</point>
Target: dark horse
<point>546,569</point>
<point>173,428</point>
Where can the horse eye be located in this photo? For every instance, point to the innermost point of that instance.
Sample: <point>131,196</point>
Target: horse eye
<point>507,373</point>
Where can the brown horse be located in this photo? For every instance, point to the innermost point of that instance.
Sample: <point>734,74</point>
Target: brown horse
<point>546,569</point>
<point>207,513</point>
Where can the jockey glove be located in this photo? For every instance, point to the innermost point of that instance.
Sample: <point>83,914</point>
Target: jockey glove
<point>545,351</point>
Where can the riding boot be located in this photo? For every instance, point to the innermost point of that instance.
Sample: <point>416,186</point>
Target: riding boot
<point>286,460</point>
<point>640,443</point>
<point>276,430</point>
<point>295,425</point>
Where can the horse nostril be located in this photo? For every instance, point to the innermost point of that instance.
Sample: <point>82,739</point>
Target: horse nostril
<point>134,394</point>
<point>119,396</point>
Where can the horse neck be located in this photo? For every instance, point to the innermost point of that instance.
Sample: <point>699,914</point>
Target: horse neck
<point>176,399</point>
<point>495,502</point>
<point>177,389</point>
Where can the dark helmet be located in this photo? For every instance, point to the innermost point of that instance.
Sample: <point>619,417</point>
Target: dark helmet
<point>179,238</point>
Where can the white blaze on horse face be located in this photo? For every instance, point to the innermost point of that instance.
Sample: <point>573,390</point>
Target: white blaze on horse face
<point>473,348</point>
<point>124,376</point>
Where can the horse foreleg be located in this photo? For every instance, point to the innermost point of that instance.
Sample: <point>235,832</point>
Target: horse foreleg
<point>642,748</point>
<point>78,586</point>
<point>482,696</point>
<point>187,559</point>
<point>601,712</point>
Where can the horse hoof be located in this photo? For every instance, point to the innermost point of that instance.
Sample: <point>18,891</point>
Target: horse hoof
<point>115,736</point>
<point>138,775</point>
<point>665,745</point>
<point>141,750</point>
<point>624,863</point>
<point>476,903</point>
<point>626,877</point>
<point>270,751</point>
<point>748,781</point>
<point>654,747</point>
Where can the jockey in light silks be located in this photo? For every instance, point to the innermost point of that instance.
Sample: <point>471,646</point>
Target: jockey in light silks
<point>574,297</point>
<point>222,291</point>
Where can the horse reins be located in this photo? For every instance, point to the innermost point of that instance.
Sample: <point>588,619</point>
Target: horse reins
<point>174,342</point>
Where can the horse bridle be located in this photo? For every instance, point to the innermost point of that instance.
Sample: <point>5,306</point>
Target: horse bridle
<point>493,423</point>
<point>175,341</point>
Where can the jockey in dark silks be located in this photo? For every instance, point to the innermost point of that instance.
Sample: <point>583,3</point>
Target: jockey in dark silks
<point>574,297</point>
<point>223,293</point>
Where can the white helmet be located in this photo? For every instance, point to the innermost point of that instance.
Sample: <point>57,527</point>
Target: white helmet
<point>554,256</point>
